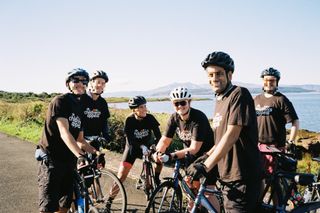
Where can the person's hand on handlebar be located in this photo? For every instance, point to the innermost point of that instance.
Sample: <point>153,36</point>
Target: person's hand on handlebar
<point>197,170</point>
<point>145,150</point>
<point>82,161</point>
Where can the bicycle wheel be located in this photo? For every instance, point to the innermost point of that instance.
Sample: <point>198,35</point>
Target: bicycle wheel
<point>108,194</point>
<point>165,198</point>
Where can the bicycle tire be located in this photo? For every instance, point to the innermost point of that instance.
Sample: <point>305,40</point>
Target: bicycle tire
<point>165,198</point>
<point>104,185</point>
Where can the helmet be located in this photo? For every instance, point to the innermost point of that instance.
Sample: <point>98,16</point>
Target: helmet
<point>180,93</point>
<point>99,74</point>
<point>271,72</point>
<point>77,72</point>
<point>220,59</point>
<point>136,102</point>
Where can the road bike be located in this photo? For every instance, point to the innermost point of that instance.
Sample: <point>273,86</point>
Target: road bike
<point>282,183</point>
<point>105,190</point>
<point>146,180</point>
<point>168,196</point>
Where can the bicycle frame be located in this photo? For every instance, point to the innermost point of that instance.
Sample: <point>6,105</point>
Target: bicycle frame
<point>146,179</point>
<point>202,199</point>
<point>198,199</point>
<point>84,193</point>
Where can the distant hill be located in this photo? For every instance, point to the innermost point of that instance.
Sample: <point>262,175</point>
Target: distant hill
<point>204,89</point>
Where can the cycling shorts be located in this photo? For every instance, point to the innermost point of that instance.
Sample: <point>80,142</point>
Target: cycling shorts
<point>55,182</point>
<point>130,155</point>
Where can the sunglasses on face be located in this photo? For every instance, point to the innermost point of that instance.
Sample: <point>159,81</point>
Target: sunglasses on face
<point>181,103</point>
<point>77,80</point>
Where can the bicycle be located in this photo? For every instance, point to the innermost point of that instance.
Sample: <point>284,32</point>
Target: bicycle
<point>168,196</point>
<point>82,193</point>
<point>146,179</point>
<point>312,191</point>
<point>282,183</point>
<point>99,183</point>
<point>202,200</point>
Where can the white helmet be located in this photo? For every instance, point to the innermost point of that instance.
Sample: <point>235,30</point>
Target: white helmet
<point>180,93</point>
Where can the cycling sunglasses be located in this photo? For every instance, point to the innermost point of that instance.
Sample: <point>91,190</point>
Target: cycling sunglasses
<point>77,80</point>
<point>181,103</point>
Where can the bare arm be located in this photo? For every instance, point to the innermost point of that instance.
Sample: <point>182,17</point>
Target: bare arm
<point>67,138</point>
<point>193,149</point>
<point>84,145</point>
<point>163,143</point>
<point>211,150</point>
<point>294,130</point>
<point>223,147</point>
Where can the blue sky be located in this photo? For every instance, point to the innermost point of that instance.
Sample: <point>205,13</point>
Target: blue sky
<point>146,44</point>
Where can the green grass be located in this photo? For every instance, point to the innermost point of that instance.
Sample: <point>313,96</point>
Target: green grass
<point>29,132</point>
<point>308,165</point>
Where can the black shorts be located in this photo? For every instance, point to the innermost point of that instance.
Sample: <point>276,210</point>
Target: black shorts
<point>240,196</point>
<point>55,182</point>
<point>131,153</point>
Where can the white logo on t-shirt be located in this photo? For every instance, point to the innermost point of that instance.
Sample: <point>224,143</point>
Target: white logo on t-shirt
<point>216,120</point>
<point>75,121</point>
<point>265,110</point>
<point>184,135</point>
<point>141,134</point>
<point>92,114</point>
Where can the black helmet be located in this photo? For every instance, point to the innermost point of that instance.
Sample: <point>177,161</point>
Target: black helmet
<point>271,72</point>
<point>220,59</point>
<point>99,74</point>
<point>136,102</point>
<point>77,72</point>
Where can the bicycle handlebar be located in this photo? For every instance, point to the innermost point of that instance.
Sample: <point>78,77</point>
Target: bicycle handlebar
<point>276,152</point>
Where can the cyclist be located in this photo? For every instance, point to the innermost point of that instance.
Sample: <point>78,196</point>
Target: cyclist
<point>96,111</point>
<point>61,144</point>
<point>139,127</point>
<point>235,129</point>
<point>193,130</point>
<point>274,111</point>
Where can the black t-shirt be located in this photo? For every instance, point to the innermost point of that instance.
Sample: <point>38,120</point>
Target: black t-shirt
<point>139,132</point>
<point>96,113</point>
<point>242,162</point>
<point>196,128</point>
<point>62,106</point>
<point>272,115</point>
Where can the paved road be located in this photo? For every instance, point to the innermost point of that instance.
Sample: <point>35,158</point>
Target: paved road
<point>18,177</point>
<point>18,182</point>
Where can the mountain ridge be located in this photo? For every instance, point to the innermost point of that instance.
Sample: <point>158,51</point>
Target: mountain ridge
<point>205,89</point>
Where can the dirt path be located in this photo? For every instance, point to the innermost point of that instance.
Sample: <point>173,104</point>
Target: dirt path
<point>18,177</point>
